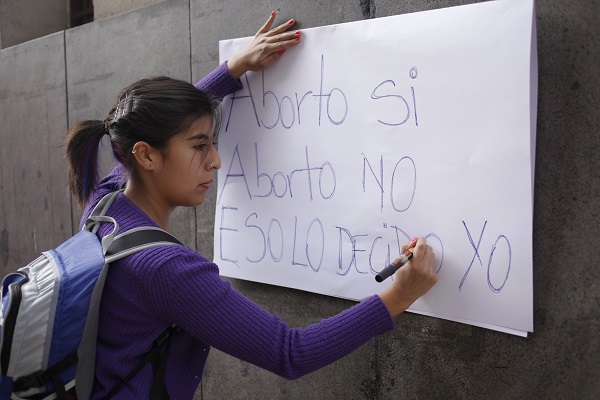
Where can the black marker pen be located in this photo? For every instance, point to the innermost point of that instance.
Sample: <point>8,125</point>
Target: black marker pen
<point>395,266</point>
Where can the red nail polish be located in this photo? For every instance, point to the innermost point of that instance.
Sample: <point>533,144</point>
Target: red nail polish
<point>297,39</point>
<point>280,52</point>
<point>272,13</point>
<point>413,240</point>
<point>291,22</point>
<point>297,32</point>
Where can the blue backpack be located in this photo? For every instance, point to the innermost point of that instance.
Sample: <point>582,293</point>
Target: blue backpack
<point>49,311</point>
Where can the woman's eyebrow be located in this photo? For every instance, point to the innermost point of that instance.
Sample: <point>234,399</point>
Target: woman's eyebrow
<point>199,136</point>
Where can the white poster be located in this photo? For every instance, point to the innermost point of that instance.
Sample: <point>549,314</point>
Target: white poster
<point>369,133</point>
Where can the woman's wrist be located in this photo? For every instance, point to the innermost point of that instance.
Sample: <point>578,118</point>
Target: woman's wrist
<point>236,67</point>
<point>393,301</point>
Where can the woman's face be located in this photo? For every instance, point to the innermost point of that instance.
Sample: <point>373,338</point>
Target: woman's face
<point>191,160</point>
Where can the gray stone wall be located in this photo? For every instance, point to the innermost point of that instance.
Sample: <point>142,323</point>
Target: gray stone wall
<point>48,84</point>
<point>23,20</point>
<point>108,8</point>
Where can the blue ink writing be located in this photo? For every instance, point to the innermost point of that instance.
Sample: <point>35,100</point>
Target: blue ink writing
<point>406,165</point>
<point>280,184</point>
<point>221,230</point>
<point>491,257</point>
<point>476,254</point>
<point>385,90</point>
<point>491,286</point>
<point>285,110</point>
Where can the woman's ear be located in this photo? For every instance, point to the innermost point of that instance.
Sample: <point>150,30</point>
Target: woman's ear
<point>146,156</point>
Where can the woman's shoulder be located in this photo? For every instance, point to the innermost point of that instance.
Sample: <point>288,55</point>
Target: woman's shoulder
<point>172,255</point>
<point>169,266</point>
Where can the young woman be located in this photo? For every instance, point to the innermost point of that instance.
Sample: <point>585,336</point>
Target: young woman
<point>162,132</point>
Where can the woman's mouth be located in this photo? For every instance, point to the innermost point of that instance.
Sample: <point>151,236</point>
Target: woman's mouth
<point>206,184</point>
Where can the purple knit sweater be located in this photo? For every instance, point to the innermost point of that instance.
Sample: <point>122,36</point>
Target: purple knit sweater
<point>148,291</point>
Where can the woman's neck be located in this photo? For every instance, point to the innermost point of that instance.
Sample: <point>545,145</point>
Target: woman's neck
<point>150,202</point>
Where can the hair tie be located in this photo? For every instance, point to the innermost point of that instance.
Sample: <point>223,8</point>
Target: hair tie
<point>106,128</point>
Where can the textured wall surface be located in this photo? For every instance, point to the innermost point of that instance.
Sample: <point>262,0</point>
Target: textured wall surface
<point>108,8</point>
<point>50,83</point>
<point>23,20</point>
<point>34,206</point>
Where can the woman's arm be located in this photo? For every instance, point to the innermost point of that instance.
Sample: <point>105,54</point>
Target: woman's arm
<point>264,48</point>
<point>191,294</point>
<point>219,82</point>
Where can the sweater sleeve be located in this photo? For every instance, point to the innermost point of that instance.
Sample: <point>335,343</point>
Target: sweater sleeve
<point>219,82</point>
<point>198,300</point>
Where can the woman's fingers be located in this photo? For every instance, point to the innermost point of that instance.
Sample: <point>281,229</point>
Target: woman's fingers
<point>281,37</point>
<point>409,245</point>
<point>265,28</point>
<point>264,48</point>
<point>277,46</point>
<point>283,27</point>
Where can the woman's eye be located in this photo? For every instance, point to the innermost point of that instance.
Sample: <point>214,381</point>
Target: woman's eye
<point>201,146</point>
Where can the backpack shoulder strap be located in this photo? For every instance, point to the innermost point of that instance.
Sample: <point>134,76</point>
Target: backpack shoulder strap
<point>138,239</point>
<point>159,364</point>
<point>125,244</point>
<point>98,216</point>
<point>101,208</point>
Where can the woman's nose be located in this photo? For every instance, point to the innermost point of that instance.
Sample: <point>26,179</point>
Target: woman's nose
<point>216,159</point>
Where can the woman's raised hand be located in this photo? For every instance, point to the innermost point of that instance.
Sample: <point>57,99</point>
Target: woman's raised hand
<point>266,47</point>
<point>412,280</point>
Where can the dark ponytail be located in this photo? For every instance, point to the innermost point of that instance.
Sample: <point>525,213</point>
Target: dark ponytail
<point>151,110</point>
<point>81,145</point>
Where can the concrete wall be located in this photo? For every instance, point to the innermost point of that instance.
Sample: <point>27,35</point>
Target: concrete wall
<point>108,8</point>
<point>34,207</point>
<point>49,83</point>
<point>23,20</point>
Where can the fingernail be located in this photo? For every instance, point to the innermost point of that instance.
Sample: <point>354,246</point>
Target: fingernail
<point>291,22</point>
<point>297,39</point>
<point>280,52</point>
<point>413,240</point>
<point>272,13</point>
<point>297,32</point>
